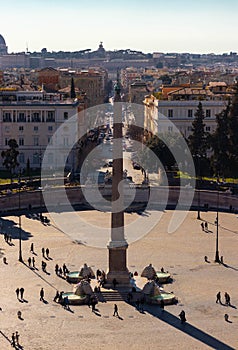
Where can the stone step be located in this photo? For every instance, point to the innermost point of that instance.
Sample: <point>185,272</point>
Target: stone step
<point>105,296</point>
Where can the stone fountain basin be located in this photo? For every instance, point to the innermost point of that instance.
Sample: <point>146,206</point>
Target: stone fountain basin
<point>75,299</point>
<point>169,298</point>
<point>74,277</point>
<point>163,277</point>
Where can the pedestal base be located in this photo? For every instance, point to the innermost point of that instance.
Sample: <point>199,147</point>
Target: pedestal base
<point>117,268</point>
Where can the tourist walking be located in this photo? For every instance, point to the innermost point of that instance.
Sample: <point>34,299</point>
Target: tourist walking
<point>182,316</point>
<point>32,248</point>
<point>22,292</point>
<point>115,310</point>
<point>56,269</point>
<point>218,297</point>
<point>13,343</point>
<point>56,298</point>
<point>29,261</point>
<point>47,252</point>
<point>42,294</point>
<point>17,292</point>
<point>33,262</point>
<point>17,337</point>
<point>228,299</point>
<point>202,226</point>
<point>206,226</point>
<point>43,252</point>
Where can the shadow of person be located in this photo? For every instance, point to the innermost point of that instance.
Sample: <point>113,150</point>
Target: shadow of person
<point>120,318</point>
<point>25,301</point>
<point>45,301</point>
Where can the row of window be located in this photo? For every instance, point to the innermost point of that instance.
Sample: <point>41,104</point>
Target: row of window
<point>48,116</point>
<point>190,113</point>
<point>36,158</point>
<point>36,142</point>
<point>35,128</point>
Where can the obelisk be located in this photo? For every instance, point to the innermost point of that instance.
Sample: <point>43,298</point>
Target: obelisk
<point>118,245</point>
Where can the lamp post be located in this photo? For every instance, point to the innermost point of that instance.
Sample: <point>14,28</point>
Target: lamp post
<point>19,208</point>
<point>217,259</point>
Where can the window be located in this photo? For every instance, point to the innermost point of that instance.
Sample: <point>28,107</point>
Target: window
<point>21,117</point>
<point>21,141</point>
<point>7,117</point>
<point>170,113</point>
<point>66,115</point>
<point>36,158</point>
<point>36,128</point>
<point>35,117</point>
<point>190,113</point>
<point>208,128</point>
<point>50,128</point>
<point>50,140</point>
<point>36,141</point>
<point>21,158</point>
<point>170,128</point>
<point>21,128</point>
<point>208,113</point>
<point>7,129</point>
<point>50,116</point>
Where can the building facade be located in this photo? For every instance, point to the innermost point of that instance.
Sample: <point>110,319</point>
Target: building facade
<point>31,118</point>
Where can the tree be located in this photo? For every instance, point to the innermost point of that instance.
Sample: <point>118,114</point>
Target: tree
<point>220,143</point>
<point>233,133</point>
<point>28,168</point>
<point>198,142</point>
<point>72,90</point>
<point>10,156</point>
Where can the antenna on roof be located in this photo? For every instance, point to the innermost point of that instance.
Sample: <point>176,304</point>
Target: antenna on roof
<point>27,47</point>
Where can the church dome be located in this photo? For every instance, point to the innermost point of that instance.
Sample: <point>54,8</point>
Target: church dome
<point>2,41</point>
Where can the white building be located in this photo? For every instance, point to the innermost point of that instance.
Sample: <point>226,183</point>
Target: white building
<point>31,118</point>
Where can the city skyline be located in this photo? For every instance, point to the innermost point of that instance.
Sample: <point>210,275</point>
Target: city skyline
<point>204,27</point>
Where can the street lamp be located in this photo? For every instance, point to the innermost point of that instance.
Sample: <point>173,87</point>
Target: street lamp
<point>19,208</point>
<point>217,226</point>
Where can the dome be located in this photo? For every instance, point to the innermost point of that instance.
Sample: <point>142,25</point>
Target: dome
<point>2,41</point>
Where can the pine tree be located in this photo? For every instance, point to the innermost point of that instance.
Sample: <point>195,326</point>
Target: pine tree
<point>10,156</point>
<point>221,144</point>
<point>72,90</point>
<point>233,133</point>
<point>198,142</point>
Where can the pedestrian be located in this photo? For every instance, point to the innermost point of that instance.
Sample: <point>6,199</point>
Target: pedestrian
<point>32,248</point>
<point>57,295</point>
<point>9,238</point>
<point>205,258</point>
<point>206,226</point>
<point>202,225</point>
<point>47,252</point>
<point>17,337</point>
<point>13,343</point>
<point>162,304</point>
<point>43,266</point>
<point>228,299</point>
<point>43,252</point>
<point>33,262</point>
<point>142,304</point>
<point>19,314</point>
<point>182,316</point>
<point>17,292</point>
<point>56,269</point>
<point>218,297</point>
<point>60,297</point>
<point>66,303</point>
<point>65,269</point>
<point>226,316</point>
<point>221,260</point>
<point>60,271</point>
<point>115,310</point>
<point>114,282</point>
<point>22,292</point>
<point>29,261</point>
<point>42,294</point>
<point>4,260</point>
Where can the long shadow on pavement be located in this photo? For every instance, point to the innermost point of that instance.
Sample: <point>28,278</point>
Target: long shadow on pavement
<point>187,328</point>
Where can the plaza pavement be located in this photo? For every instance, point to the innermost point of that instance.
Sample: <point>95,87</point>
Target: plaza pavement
<point>195,283</point>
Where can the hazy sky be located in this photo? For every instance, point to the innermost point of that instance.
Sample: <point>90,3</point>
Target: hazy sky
<point>154,25</point>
